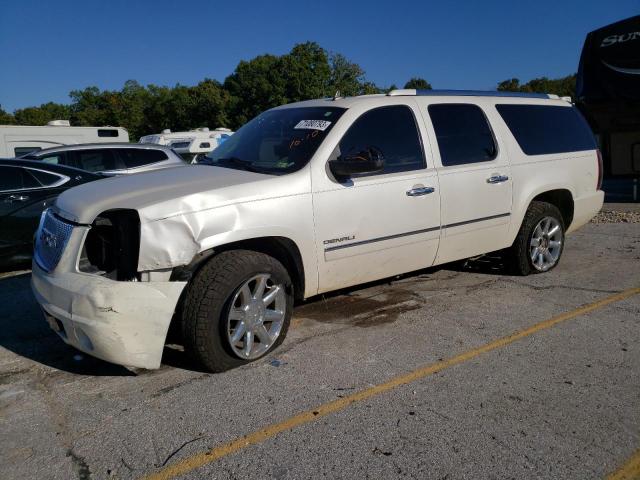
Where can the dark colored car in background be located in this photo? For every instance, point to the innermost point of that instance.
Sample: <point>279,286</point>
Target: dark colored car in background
<point>26,189</point>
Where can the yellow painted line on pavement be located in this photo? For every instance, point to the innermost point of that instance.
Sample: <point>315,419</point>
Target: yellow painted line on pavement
<point>628,471</point>
<point>198,460</point>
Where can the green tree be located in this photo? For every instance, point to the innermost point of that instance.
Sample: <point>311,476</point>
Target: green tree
<point>306,72</point>
<point>511,85</point>
<point>128,106</point>
<point>91,107</point>
<point>42,114</point>
<point>564,86</point>
<point>255,85</point>
<point>6,118</point>
<point>263,82</point>
<point>346,77</point>
<point>211,102</point>
<point>418,83</point>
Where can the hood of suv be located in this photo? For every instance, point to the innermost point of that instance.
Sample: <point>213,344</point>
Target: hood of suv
<point>167,192</point>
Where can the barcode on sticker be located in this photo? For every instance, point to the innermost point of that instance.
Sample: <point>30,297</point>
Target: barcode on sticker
<point>312,125</point>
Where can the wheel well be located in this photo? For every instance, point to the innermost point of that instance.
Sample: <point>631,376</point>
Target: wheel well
<point>563,200</point>
<point>281,248</point>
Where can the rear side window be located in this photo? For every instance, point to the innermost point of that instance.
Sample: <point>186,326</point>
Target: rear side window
<point>463,133</point>
<point>16,178</point>
<point>138,157</point>
<point>97,160</point>
<point>393,131</point>
<point>542,129</point>
<point>54,158</point>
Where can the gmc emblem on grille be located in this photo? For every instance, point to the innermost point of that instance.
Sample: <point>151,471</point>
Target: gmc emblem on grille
<point>48,238</point>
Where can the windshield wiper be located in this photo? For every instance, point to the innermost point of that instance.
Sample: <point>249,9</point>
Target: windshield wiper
<point>238,162</point>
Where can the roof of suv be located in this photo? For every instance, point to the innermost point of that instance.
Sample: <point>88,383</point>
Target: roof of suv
<point>511,97</point>
<point>93,146</point>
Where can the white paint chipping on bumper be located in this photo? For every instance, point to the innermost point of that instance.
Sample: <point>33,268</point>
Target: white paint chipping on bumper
<point>120,322</point>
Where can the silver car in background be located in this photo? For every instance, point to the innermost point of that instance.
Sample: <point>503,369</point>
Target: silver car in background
<point>110,158</point>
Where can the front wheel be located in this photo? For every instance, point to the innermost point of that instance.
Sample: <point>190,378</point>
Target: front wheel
<point>540,241</point>
<point>237,309</point>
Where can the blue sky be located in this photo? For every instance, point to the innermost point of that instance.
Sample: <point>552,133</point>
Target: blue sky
<point>48,48</point>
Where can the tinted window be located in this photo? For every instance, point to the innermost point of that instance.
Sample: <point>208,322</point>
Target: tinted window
<point>104,132</point>
<point>96,160</point>
<point>276,141</point>
<point>45,178</point>
<point>393,131</point>
<point>19,151</point>
<point>15,178</point>
<point>138,157</point>
<point>541,129</point>
<point>54,158</point>
<point>463,133</point>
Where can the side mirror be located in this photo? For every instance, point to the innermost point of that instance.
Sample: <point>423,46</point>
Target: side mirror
<point>369,160</point>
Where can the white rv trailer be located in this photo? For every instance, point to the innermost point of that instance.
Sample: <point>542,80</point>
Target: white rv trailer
<point>18,140</point>
<point>190,145</point>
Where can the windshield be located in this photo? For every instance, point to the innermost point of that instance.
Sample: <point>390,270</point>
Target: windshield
<point>276,141</point>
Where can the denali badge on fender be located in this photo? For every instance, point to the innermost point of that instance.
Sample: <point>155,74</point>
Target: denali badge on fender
<point>337,240</point>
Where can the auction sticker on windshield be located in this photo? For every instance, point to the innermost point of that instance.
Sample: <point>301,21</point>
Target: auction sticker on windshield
<point>312,125</point>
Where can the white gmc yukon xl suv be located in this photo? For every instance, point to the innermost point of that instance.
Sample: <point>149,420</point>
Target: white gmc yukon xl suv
<point>307,198</point>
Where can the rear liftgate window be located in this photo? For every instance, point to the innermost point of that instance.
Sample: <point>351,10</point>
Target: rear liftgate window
<point>542,129</point>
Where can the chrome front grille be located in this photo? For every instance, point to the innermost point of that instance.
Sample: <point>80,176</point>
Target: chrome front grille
<point>51,239</point>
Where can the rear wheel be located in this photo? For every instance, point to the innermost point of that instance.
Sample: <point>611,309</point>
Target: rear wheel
<point>237,309</point>
<point>540,241</point>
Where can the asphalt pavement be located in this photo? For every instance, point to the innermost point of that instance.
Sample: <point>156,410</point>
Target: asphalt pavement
<point>456,372</point>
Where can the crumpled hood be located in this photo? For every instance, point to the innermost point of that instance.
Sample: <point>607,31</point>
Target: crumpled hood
<point>166,192</point>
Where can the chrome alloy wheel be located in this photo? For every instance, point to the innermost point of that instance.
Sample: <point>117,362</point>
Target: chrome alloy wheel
<point>546,244</point>
<point>256,316</point>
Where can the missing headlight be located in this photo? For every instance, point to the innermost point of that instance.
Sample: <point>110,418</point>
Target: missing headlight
<point>112,246</point>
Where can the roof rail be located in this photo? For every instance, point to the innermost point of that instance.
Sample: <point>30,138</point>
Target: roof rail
<point>466,93</point>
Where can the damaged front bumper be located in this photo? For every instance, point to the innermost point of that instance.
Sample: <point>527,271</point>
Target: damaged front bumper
<point>120,322</point>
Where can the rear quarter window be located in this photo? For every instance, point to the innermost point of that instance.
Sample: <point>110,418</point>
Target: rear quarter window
<point>542,129</point>
<point>46,179</point>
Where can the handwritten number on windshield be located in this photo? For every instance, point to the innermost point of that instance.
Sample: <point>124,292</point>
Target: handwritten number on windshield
<point>298,141</point>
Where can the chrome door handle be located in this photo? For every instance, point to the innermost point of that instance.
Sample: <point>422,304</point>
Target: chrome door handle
<point>497,179</point>
<point>16,198</point>
<point>418,191</point>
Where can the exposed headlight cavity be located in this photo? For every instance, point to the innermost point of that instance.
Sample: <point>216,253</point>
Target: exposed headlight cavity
<point>112,246</point>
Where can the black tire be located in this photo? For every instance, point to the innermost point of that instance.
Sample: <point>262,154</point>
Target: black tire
<point>207,303</point>
<point>518,257</point>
